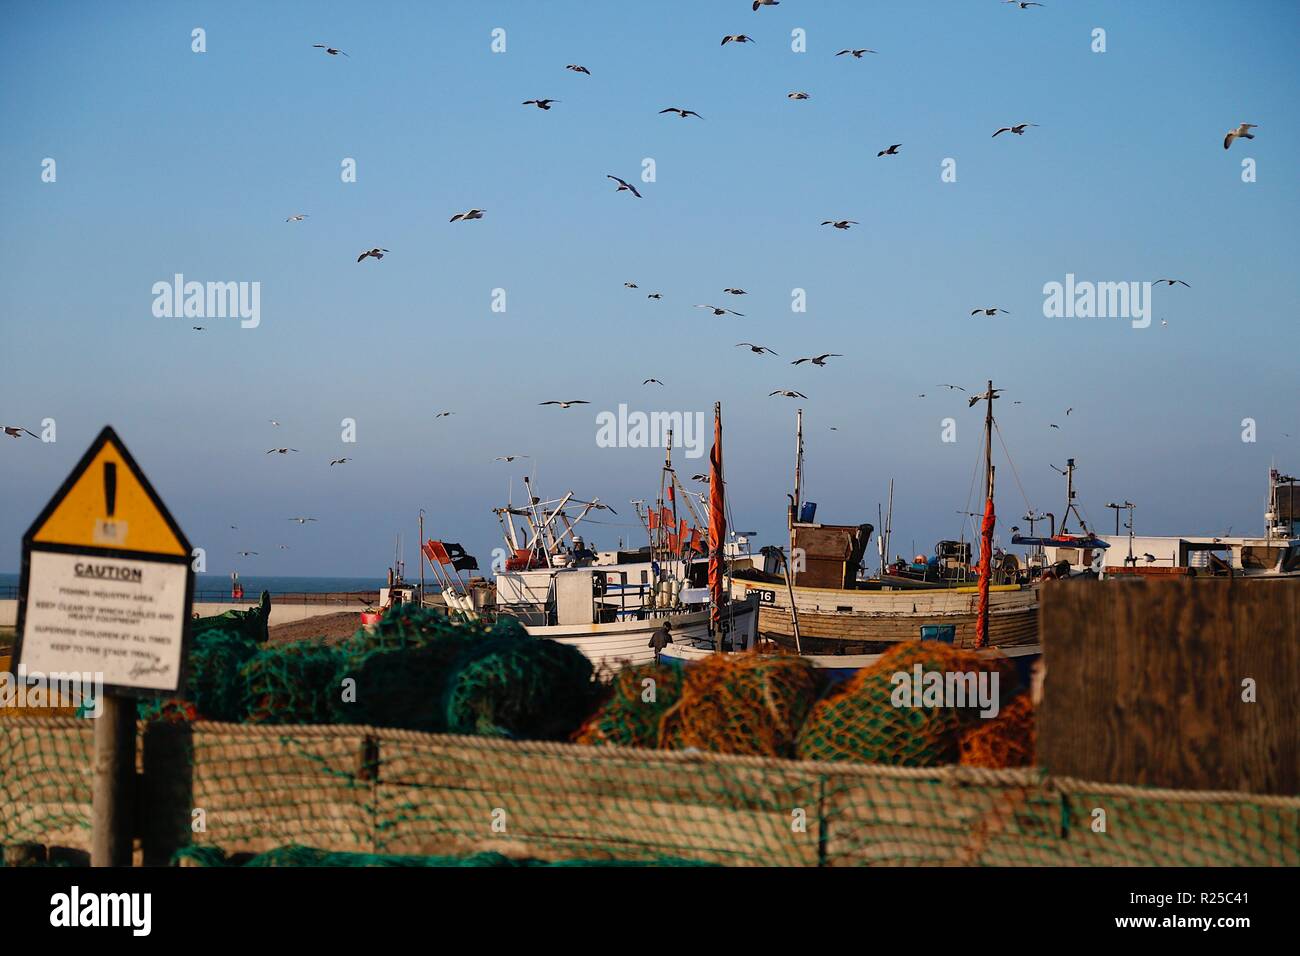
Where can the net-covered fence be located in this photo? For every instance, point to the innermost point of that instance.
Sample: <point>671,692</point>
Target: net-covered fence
<point>218,791</point>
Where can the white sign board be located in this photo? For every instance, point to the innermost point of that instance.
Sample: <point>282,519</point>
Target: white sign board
<point>117,617</point>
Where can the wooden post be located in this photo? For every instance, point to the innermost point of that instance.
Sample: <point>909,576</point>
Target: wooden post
<point>113,789</point>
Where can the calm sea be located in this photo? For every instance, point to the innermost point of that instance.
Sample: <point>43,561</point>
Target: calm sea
<point>216,587</point>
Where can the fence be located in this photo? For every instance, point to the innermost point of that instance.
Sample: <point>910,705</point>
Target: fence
<point>367,790</point>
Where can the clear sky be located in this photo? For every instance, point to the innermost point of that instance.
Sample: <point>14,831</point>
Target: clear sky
<point>171,161</point>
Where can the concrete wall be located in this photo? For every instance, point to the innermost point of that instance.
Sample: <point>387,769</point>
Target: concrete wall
<point>280,613</point>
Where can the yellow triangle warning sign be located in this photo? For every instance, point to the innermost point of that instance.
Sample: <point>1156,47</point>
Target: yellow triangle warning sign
<point>107,503</point>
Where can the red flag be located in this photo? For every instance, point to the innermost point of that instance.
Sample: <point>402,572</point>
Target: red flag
<point>717,528</point>
<point>986,573</point>
<point>654,518</point>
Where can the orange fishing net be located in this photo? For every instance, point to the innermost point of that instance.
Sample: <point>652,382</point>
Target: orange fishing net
<point>741,704</point>
<point>637,700</point>
<point>1005,741</point>
<point>880,716</point>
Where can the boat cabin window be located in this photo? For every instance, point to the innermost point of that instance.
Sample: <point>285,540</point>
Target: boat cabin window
<point>1256,558</point>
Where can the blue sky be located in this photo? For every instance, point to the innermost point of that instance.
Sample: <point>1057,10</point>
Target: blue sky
<point>171,161</point>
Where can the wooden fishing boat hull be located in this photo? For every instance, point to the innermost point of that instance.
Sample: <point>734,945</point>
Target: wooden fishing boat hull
<point>837,621</point>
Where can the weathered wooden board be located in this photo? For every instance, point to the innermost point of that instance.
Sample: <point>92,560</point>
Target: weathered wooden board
<point>1144,683</point>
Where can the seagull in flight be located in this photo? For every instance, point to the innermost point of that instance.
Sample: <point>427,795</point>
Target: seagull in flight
<point>574,67</point>
<point>1018,129</point>
<point>245,554</point>
<point>199,328</point>
<point>297,218</point>
<point>1068,410</point>
<point>301,520</point>
<point>1023,4</point>
<point>571,402</point>
<point>442,415</point>
<point>654,295</point>
<point>787,393</point>
<point>652,381</point>
<point>274,422</point>
<point>703,479</point>
<point>630,285</point>
<point>467,216</point>
<point>756,349</point>
<point>840,223</point>
<point>1241,132</point>
<point>280,451</point>
<point>328,49</point>
<point>1057,427</point>
<point>819,360</point>
<point>736,38</point>
<point>681,112</point>
<point>951,387</point>
<point>509,457</point>
<point>765,3</point>
<point>376,253</point>
<point>891,151</point>
<point>856,54</point>
<point>339,461</point>
<point>716,311</point>
<point>993,311</point>
<point>735,291</point>
<point>624,184</point>
<point>16,431</point>
<point>540,104</point>
<point>1172,282</point>
<point>798,95</point>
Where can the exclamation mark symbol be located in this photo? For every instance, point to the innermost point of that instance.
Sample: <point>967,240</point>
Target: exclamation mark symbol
<point>110,487</point>
<point>109,530</point>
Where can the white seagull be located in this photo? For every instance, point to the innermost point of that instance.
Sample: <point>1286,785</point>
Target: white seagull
<point>736,38</point>
<point>716,311</point>
<point>376,253</point>
<point>1243,132</point>
<point>787,393</point>
<point>467,216</point>
<point>1018,129</point>
<point>1172,282</point>
<point>578,69</point>
<point>328,49</point>
<point>765,3</point>
<point>856,54</point>
<point>301,520</point>
<point>731,291</point>
<point>624,184</point>
<point>339,461</point>
<point>840,223</point>
<point>993,311</point>
<point>298,218</point>
<point>280,451</point>
<point>756,349</point>
<point>798,95</point>
<point>509,457</point>
<point>819,360</point>
<point>891,151</point>
<point>571,402</point>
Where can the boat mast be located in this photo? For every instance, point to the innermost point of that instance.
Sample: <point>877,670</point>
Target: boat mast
<point>986,532</point>
<point>798,463</point>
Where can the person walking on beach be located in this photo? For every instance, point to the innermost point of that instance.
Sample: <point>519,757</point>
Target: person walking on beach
<point>661,639</point>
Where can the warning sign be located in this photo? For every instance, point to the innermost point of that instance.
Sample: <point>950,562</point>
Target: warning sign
<point>106,579</point>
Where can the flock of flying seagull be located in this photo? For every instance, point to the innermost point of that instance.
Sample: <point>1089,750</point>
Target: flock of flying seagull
<point>1243,131</point>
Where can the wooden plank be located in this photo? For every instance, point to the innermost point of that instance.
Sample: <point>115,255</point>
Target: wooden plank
<point>1144,683</point>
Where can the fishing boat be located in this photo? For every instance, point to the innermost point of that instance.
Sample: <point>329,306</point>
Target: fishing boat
<point>820,606</point>
<point>608,604</point>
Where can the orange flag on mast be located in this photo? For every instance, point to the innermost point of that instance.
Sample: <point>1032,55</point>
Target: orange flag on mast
<point>717,527</point>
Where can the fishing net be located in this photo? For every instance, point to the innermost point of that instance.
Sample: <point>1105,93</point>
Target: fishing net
<point>741,704</point>
<point>401,687</point>
<point>295,855</point>
<point>633,708</point>
<point>214,689</point>
<point>292,684</point>
<point>1006,741</point>
<point>520,687</point>
<point>873,718</point>
<point>408,625</point>
<point>250,623</point>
